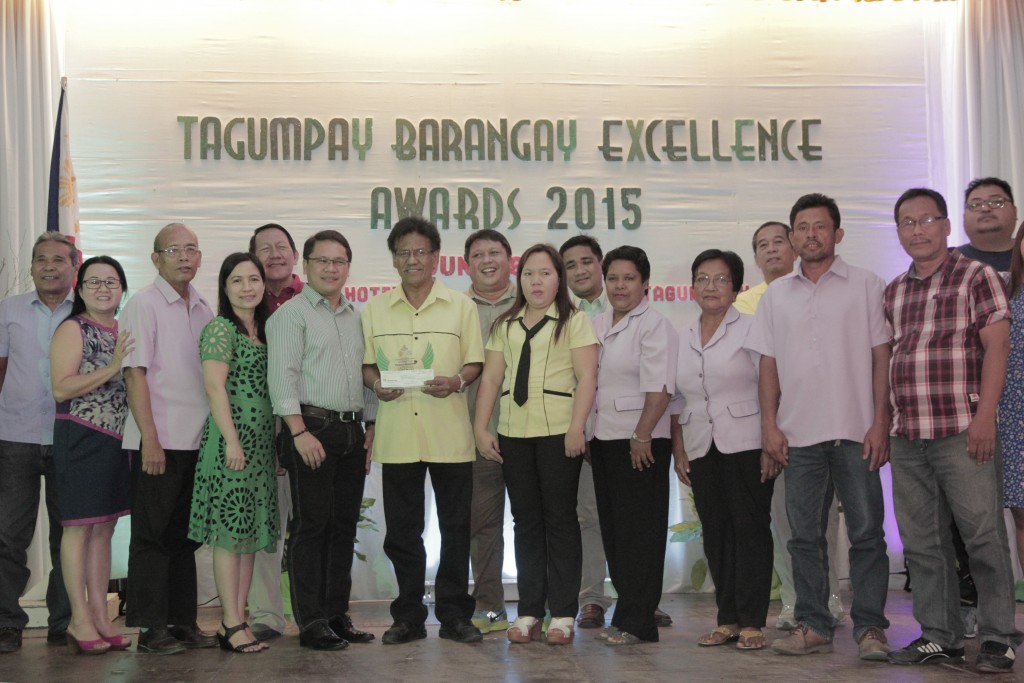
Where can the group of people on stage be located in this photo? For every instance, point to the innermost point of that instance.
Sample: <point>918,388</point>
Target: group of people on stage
<point>563,388</point>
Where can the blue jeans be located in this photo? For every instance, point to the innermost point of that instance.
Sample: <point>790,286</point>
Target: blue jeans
<point>21,465</point>
<point>813,475</point>
<point>933,481</point>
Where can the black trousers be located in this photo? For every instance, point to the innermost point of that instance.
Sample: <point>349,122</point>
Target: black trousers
<point>404,502</point>
<point>542,485</point>
<point>735,512</point>
<point>161,558</point>
<point>632,506</point>
<point>325,513</point>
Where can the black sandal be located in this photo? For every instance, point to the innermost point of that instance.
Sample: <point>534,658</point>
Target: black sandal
<point>225,640</point>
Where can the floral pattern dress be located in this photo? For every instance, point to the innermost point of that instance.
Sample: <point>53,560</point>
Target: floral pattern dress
<point>237,510</point>
<point>1011,411</point>
<point>91,469</point>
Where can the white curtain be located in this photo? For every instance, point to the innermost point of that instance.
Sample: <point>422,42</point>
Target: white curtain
<point>29,92</point>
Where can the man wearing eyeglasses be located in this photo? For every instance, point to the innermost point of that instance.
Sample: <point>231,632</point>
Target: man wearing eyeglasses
<point>314,371</point>
<point>423,348</point>
<point>164,378</point>
<point>27,322</point>
<point>274,247</point>
<point>824,399</point>
<point>989,220</point>
<point>950,323</point>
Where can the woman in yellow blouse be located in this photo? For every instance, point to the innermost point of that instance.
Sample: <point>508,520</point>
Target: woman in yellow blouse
<point>542,358</point>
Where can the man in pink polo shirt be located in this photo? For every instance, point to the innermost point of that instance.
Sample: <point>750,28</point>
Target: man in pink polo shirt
<point>168,408</point>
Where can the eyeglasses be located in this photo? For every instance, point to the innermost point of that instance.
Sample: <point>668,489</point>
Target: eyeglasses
<point>923,222</point>
<point>407,254</point>
<point>189,251</point>
<point>993,203</point>
<point>322,261</point>
<point>95,283</point>
<point>702,281</point>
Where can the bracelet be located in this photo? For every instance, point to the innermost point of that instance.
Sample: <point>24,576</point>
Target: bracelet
<point>298,434</point>
<point>375,383</point>
<point>639,440</point>
<point>462,384</point>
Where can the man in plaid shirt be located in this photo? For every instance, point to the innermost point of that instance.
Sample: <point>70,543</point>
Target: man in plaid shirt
<point>950,324</point>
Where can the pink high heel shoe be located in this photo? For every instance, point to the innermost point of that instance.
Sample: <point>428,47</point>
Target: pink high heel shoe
<point>86,647</point>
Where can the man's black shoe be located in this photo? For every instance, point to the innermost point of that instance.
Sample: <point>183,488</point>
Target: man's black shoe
<point>55,637</point>
<point>923,651</point>
<point>159,641</point>
<point>995,658</point>
<point>10,639</point>
<point>343,627</point>
<point>461,631</point>
<point>403,632</point>
<point>193,637</point>
<point>319,636</point>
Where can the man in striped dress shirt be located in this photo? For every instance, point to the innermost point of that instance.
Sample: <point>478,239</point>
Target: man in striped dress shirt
<point>315,348</point>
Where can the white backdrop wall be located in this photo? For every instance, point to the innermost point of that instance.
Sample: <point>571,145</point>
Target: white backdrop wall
<point>878,87</point>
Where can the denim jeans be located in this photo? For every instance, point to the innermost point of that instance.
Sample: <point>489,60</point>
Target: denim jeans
<point>934,481</point>
<point>813,475</point>
<point>21,465</point>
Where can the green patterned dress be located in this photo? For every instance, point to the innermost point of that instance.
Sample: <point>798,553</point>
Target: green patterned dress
<point>237,510</point>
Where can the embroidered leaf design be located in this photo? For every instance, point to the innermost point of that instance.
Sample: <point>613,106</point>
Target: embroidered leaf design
<point>382,360</point>
<point>428,356</point>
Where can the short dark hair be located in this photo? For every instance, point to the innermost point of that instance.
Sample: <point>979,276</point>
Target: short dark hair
<point>79,304</point>
<point>325,236</point>
<point>813,201</point>
<point>490,235</point>
<point>998,182</point>
<point>414,225</point>
<point>753,240</point>
<point>224,308</point>
<point>581,241</point>
<point>914,193</point>
<point>270,226</point>
<point>634,255</point>
<point>59,238</point>
<point>732,260</point>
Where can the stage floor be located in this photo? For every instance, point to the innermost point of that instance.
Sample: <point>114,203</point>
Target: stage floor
<point>675,658</point>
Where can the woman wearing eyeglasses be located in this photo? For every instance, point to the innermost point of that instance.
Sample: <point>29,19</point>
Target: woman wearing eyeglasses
<point>92,470</point>
<point>234,500</point>
<point>717,446</point>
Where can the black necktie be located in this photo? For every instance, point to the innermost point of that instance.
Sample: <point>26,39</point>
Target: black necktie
<point>522,387</point>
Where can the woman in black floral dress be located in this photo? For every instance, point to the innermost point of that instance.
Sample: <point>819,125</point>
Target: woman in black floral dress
<point>91,468</point>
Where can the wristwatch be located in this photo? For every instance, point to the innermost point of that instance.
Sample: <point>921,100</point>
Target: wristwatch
<point>639,440</point>
<point>462,384</point>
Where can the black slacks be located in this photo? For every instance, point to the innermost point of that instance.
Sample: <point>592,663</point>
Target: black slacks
<point>632,506</point>
<point>161,558</point>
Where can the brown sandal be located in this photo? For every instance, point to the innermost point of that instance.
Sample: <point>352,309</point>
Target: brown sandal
<point>750,639</point>
<point>719,636</point>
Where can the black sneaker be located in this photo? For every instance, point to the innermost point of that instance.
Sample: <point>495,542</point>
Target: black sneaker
<point>923,651</point>
<point>461,631</point>
<point>995,658</point>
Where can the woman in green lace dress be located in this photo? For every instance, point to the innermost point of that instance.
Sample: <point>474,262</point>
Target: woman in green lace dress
<point>234,503</point>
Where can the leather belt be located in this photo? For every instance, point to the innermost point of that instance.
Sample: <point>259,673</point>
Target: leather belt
<point>331,415</point>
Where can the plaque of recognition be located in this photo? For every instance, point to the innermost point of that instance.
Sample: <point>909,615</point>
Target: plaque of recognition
<point>405,379</point>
